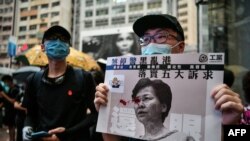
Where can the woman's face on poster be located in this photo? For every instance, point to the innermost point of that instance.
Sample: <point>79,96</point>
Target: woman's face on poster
<point>148,107</point>
<point>124,42</point>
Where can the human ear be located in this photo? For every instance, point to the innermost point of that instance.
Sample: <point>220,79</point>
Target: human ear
<point>181,47</point>
<point>164,108</point>
<point>42,47</point>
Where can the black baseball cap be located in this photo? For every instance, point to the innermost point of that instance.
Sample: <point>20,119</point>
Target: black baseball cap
<point>57,30</point>
<point>157,21</point>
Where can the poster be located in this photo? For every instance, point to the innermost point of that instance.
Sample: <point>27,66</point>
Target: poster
<point>189,112</point>
<point>113,44</point>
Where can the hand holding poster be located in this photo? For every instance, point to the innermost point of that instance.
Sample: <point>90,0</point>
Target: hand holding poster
<point>163,97</point>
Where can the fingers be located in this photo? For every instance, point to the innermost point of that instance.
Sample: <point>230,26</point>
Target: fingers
<point>225,99</point>
<point>52,138</point>
<point>225,96</point>
<point>101,95</point>
<point>229,103</point>
<point>53,133</point>
<point>57,130</point>
<point>103,88</point>
<point>238,107</point>
<point>218,88</point>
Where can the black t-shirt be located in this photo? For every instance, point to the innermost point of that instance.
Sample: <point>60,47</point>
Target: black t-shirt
<point>1,99</point>
<point>62,105</point>
<point>1,88</point>
<point>19,98</point>
<point>13,92</point>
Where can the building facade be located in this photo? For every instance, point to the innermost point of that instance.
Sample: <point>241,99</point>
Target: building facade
<point>76,12</point>
<point>105,17</point>
<point>28,19</point>
<point>187,16</point>
<point>229,28</point>
<point>105,21</point>
<point>97,14</point>
<point>36,16</point>
<point>7,17</point>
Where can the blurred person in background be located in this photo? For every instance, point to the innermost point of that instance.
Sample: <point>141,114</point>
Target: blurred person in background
<point>9,99</point>
<point>246,89</point>
<point>20,113</point>
<point>1,103</point>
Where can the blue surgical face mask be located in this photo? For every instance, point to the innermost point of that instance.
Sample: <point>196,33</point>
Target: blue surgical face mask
<point>6,88</point>
<point>56,49</point>
<point>154,48</point>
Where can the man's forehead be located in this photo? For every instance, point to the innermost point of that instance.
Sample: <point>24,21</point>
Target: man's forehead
<point>157,30</point>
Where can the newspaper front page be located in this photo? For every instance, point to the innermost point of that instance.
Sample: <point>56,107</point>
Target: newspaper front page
<point>133,107</point>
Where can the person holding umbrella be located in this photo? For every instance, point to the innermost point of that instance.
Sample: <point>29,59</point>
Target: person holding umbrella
<point>58,97</point>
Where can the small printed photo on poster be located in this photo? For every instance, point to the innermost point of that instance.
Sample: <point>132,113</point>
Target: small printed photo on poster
<point>116,83</point>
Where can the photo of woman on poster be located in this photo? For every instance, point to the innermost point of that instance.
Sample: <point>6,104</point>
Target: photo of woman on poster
<point>152,100</point>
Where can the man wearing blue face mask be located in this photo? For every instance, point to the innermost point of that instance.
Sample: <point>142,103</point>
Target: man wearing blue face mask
<point>163,34</point>
<point>58,97</point>
<point>157,38</point>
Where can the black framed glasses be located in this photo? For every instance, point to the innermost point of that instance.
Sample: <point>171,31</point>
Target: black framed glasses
<point>159,38</point>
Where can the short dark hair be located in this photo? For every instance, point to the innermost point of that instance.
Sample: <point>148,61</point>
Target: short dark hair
<point>162,92</point>
<point>228,77</point>
<point>57,30</point>
<point>7,78</point>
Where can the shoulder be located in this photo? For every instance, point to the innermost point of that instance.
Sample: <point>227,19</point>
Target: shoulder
<point>80,72</point>
<point>80,75</point>
<point>35,74</point>
<point>17,88</point>
<point>1,87</point>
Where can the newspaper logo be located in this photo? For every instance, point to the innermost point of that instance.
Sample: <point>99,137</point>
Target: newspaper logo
<point>203,58</point>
